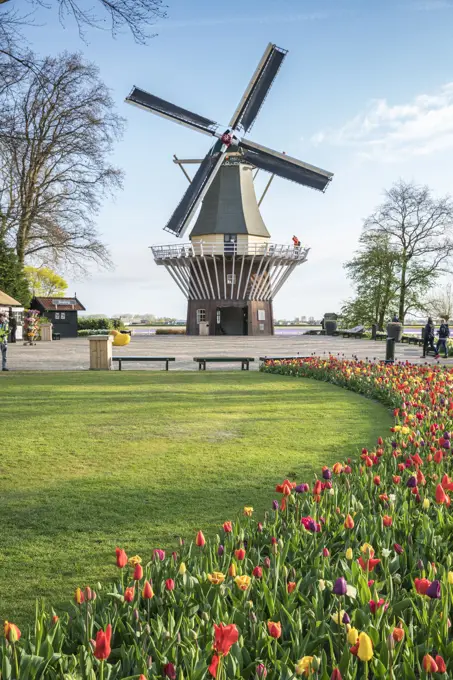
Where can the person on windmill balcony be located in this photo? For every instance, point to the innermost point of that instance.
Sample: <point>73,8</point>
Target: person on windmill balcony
<point>296,242</point>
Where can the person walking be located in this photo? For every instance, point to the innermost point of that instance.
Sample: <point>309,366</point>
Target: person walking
<point>4,330</point>
<point>444,334</point>
<point>12,327</point>
<point>428,338</point>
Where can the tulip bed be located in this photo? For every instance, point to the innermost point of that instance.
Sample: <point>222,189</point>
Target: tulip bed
<point>348,575</point>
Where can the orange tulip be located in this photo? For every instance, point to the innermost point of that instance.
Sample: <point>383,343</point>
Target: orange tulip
<point>239,554</point>
<point>227,527</point>
<point>275,629</point>
<point>387,521</point>
<point>441,496</point>
<point>429,665</point>
<point>349,522</point>
<point>138,572</point>
<point>291,586</point>
<point>12,632</point>
<point>121,558</point>
<point>148,592</point>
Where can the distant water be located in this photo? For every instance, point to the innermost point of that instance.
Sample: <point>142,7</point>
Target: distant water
<point>279,330</point>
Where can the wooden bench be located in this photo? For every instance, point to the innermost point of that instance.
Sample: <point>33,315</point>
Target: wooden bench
<point>121,359</point>
<point>356,332</point>
<point>56,336</point>
<point>245,361</point>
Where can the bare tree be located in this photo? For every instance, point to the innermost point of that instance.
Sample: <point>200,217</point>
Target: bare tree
<point>440,304</point>
<point>420,230</point>
<point>54,170</point>
<point>137,16</point>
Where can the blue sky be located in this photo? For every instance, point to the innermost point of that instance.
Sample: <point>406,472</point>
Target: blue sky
<point>366,91</point>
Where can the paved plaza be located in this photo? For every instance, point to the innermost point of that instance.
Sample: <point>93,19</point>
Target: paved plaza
<point>73,354</point>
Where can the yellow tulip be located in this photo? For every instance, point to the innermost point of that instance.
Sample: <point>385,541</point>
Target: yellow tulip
<point>425,503</point>
<point>242,582</point>
<point>365,650</point>
<point>232,570</point>
<point>353,634</point>
<point>136,559</point>
<point>338,617</point>
<point>216,578</point>
<point>304,665</point>
<point>367,549</point>
<point>349,554</point>
<point>450,577</point>
<point>182,568</point>
<point>248,511</point>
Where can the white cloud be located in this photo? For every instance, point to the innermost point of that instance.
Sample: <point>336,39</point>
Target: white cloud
<point>395,132</point>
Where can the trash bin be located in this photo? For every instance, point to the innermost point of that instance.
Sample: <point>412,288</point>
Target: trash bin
<point>330,326</point>
<point>395,330</point>
<point>390,351</point>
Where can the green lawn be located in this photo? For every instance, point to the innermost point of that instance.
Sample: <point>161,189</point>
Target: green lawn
<point>94,460</point>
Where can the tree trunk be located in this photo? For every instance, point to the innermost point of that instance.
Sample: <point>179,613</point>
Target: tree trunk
<point>402,311</point>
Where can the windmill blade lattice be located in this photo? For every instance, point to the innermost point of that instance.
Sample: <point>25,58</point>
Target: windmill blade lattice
<point>160,107</point>
<point>257,89</point>
<point>285,166</point>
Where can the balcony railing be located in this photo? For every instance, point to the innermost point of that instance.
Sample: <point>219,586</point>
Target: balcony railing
<point>189,250</point>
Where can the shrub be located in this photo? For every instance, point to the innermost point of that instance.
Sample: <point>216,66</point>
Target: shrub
<point>94,323</point>
<point>91,331</point>
<point>170,331</point>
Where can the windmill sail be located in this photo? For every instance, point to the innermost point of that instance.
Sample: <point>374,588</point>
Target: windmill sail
<point>160,107</point>
<point>195,193</point>
<point>257,89</point>
<point>285,166</point>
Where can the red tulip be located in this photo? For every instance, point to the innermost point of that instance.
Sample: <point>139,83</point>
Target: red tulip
<point>325,552</point>
<point>274,629</point>
<point>387,521</point>
<point>336,675</point>
<point>368,565</point>
<point>129,594</point>
<point>225,637</point>
<point>441,667</point>
<point>102,647</point>
<point>200,540</point>
<point>121,558</point>
<point>257,572</point>
<point>138,572</point>
<point>169,584</point>
<point>441,496</point>
<point>240,554</point>
<point>291,586</point>
<point>421,585</point>
<point>227,527</point>
<point>376,480</point>
<point>349,522</point>
<point>213,667</point>
<point>148,592</point>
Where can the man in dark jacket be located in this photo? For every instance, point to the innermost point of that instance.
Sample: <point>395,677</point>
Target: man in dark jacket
<point>4,330</point>
<point>428,337</point>
<point>444,334</point>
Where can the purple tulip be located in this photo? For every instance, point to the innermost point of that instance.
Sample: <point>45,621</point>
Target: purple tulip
<point>340,586</point>
<point>394,444</point>
<point>446,444</point>
<point>434,590</point>
<point>346,618</point>
<point>301,488</point>
<point>446,435</point>
<point>411,482</point>
<point>275,505</point>
<point>327,474</point>
<point>220,550</point>
<point>398,549</point>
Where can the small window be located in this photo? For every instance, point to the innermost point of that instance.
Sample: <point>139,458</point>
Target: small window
<point>231,278</point>
<point>63,315</point>
<point>57,316</point>
<point>201,315</point>
<point>218,316</point>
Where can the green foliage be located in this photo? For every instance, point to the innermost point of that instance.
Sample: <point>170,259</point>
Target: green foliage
<point>139,458</point>
<point>85,332</point>
<point>374,273</point>
<point>44,282</point>
<point>12,278</point>
<point>94,323</point>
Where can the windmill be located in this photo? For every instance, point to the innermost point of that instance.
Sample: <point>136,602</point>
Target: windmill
<point>230,272</point>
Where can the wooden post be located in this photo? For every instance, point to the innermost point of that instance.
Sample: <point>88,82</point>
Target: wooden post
<point>100,352</point>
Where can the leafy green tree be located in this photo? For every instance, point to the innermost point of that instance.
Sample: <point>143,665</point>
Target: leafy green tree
<point>419,229</point>
<point>12,278</point>
<point>374,272</point>
<point>44,282</point>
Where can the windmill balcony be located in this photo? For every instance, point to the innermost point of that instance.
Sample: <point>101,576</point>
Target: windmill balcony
<point>270,250</point>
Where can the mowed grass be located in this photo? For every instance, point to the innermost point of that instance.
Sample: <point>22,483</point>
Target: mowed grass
<point>137,459</point>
